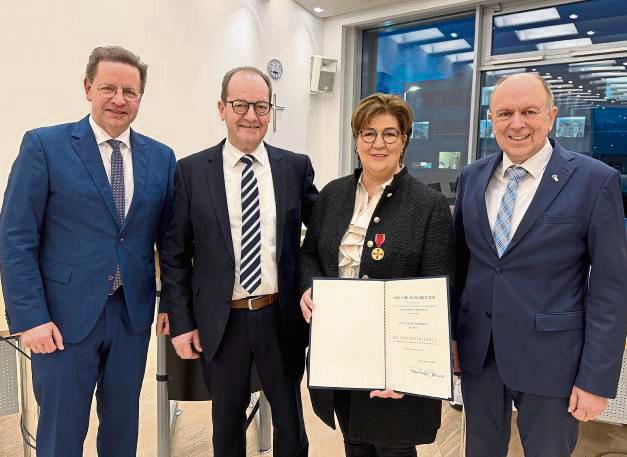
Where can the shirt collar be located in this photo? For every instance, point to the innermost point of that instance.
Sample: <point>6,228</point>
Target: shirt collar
<point>380,187</point>
<point>232,155</point>
<point>102,136</point>
<point>535,164</point>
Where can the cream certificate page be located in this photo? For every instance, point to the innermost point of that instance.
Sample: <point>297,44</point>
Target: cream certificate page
<point>375,334</point>
<point>418,337</point>
<point>346,347</point>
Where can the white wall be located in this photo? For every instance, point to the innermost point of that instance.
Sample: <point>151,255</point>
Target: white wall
<point>188,45</point>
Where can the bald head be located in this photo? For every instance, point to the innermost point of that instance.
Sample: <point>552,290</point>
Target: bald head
<point>525,79</point>
<point>522,115</point>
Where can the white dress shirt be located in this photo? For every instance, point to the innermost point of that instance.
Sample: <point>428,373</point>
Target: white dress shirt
<point>233,168</point>
<point>352,245</point>
<point>125,149</point>
<point>527,187</point>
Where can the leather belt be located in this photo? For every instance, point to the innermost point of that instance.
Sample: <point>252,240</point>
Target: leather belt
<point>253,303</point>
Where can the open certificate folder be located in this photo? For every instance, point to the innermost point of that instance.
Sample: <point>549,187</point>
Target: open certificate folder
<point>375,334</point>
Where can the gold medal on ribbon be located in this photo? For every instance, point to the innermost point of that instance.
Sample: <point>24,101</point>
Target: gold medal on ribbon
<point>377,253</point>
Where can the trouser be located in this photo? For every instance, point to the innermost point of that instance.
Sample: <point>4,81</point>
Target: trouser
<point>111,359</point>
<point>257,336</point>
<point>546,427</point>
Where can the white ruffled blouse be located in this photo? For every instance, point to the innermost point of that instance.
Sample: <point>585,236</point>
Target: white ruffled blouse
<point>351,247</point>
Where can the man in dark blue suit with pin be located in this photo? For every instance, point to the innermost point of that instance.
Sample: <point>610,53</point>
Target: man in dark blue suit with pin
<point>540,303</point>
<point>84,205</point>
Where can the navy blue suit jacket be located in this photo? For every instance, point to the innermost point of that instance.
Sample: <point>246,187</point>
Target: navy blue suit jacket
<point>555,321</point>
<point>59,239</point>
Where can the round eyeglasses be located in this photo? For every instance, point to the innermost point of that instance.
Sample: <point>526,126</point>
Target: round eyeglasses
<point>109,91</point>
<point>241,107</point>
<point>389,136</point>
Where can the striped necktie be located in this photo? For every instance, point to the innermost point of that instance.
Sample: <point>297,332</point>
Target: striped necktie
<point>250,261</point>
<point>503,226</point>
<point>117,186</point>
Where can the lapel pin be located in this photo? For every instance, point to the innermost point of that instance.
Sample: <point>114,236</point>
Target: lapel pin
<point>555,178</point>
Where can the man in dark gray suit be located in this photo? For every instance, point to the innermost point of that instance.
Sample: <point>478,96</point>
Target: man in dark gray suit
<point>229,267</point>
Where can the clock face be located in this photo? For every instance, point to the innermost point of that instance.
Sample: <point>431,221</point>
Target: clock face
<point>275,69</point>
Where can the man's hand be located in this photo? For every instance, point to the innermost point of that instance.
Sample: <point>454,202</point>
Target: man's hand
<point>163,324</point>
<point>457,370</point>
<point>185,344</point>
<point>585,406</point>
<point>43,339</point>
<point>306,305</point>
<point>387,393</point>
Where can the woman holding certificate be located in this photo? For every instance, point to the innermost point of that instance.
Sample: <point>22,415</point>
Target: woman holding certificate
<point>379,223</point>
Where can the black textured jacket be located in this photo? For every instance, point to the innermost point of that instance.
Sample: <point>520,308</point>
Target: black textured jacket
<point>419,241</point>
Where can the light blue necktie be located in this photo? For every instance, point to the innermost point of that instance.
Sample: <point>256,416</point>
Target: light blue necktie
<point>117,186</point>
<point>250,261</point>
<point>503,226</point>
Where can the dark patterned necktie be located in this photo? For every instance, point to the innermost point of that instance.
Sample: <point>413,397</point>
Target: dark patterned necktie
<point>117,186</point>
<point>250,261</point>
<point>503,224</point>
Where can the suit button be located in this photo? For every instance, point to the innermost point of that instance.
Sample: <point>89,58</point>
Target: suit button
<point>498,270</point>
<point>232,265</point>
<point>377,219</point>
<point>369,244</point>
<point>488,314</point>
<point>389,194</point>
<point>365,277</point>
<point>121,240</point>
<point>110,278</point>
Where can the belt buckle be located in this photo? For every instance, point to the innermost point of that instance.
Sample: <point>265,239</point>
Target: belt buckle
<point>250,304</point>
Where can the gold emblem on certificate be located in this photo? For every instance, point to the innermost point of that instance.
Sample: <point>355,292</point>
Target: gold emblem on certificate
<point>377,253</point>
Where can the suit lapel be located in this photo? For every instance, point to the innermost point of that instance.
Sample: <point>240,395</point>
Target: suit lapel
<point>87,149</point>
<point>561,167</point>
<point>140,168</point>
<point>485,174</point>
<point>277,166</point>
<point>215,181</point>
<point>341,223</point>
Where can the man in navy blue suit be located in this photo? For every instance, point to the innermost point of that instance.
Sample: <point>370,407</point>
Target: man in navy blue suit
<point>542,281</point>
<point>84,205</point>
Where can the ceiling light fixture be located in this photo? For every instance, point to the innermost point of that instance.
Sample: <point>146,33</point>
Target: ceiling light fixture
<point>461,57</point>
<point>528,17</point>
<point>604,74</point>
<point>445,46</point>
<point>318,10</point>
<point>575,43</point>
<point>598,62</point>
<point>551,31</point>
<point>416,36</point>
<point>596,68</point>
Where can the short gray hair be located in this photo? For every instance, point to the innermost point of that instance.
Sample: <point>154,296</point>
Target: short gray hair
<point>545,85</point>
<point>115,54</point>
<point>229,74</point>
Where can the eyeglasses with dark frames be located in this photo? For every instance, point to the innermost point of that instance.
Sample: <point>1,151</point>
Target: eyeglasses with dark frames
<point>389,136</point>
<point>129,94</point>
<point>261,108</point>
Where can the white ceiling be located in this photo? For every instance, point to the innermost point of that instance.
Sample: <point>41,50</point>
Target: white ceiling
<point>337,7</point>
